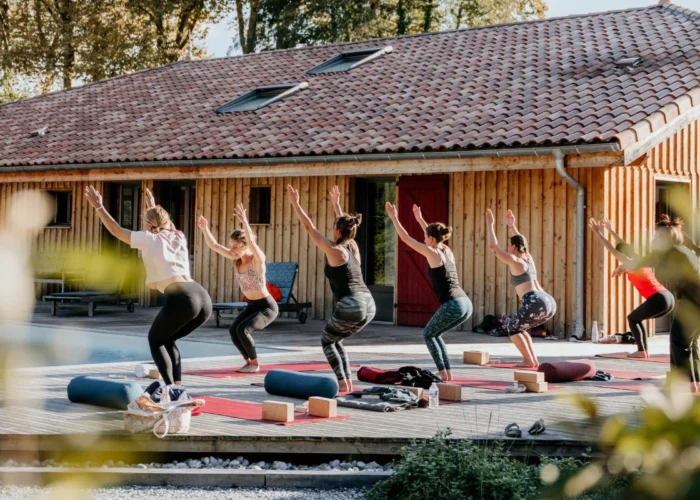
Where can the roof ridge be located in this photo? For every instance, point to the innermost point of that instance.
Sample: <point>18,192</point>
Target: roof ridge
<point>90,84</point>
<point>434,33</point>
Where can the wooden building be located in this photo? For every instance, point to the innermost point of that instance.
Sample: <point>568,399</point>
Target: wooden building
<point>457,122</point>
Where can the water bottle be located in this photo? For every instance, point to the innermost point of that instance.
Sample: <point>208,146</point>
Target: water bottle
<point>433,397</point>
<point>594,332</point>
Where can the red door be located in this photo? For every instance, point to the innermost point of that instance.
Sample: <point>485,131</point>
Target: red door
<point>415,298</point>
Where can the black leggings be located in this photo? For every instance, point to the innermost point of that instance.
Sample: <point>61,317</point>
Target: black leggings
<point>187,307</point>
<point>256,316</point>
<point>656,306</point>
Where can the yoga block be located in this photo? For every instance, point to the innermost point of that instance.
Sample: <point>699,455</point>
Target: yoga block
<point>476,358</point>
<point>450,392</point>
<point>418,391</point>
<point>300,385</point>
<point>278,411</point>
<point>154,374</point>
<point>536,386</point>
<point>106,393</point>
<point>323,407</point>
<point>523,376</point>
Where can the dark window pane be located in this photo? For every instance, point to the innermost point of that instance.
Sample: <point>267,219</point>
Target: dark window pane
<point>63,208</point>
<point>260,209</point>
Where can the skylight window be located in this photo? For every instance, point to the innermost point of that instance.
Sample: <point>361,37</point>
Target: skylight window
<point>349,60</point>
<point>261,97</point>
<point>628,62</point>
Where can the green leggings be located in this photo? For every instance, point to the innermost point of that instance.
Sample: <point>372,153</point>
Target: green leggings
<point>450,315</point>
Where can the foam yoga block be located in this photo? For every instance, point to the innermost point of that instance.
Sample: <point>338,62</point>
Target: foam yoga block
<point>300,385</point>
<point>103,392</point>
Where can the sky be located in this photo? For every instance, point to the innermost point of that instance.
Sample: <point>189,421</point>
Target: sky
<point>220,35</point>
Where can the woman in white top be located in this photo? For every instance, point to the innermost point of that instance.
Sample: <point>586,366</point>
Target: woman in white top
<point>249,267</point>
<point>165,257</point>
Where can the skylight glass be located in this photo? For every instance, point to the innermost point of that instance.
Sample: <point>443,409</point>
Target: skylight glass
<point>349,60</point>
<point>261,97</point>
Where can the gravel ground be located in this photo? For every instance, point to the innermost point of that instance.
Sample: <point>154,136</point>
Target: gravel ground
<point>171,493</point>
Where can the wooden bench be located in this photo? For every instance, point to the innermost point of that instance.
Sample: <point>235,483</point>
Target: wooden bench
<point>282,275</point>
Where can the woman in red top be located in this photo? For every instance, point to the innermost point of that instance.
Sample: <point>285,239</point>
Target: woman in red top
<point>658,301</point>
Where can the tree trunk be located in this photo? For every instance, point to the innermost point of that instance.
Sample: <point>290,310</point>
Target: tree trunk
<point>67,16</point>
<point>252,38</point>
<point>241,25</point>
<point>428,9</point>
<point>401,18</point>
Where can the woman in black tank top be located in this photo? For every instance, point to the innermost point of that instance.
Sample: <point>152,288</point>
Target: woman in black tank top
<point>354,307</point>
<point>455,306</point>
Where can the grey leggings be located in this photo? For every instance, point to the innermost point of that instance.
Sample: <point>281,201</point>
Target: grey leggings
<point>450,315</point>
<point>187,307</point>
<point>536,308</point>
<point>256,316</point>
<point>351,314</point>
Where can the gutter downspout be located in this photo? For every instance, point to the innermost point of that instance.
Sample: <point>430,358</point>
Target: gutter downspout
<point>580,242</point>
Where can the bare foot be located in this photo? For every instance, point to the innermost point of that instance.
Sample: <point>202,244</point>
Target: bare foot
<point>345,385</point>
<point>638,354</point>
<point>250,368</point>
<point>443,375</point>
<point>449,376</point>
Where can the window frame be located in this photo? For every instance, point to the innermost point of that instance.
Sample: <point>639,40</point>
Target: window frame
<point>286,90</point>
<point>325,68</point>
<point>71,209</point>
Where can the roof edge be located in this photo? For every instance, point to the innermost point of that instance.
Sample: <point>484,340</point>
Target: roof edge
<point>581,149</point>
<point>659,126</point>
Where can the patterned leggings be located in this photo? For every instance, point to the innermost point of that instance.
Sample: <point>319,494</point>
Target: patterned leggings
<point>536,308</point>
<point>450,315</point>
<point>351,314</point>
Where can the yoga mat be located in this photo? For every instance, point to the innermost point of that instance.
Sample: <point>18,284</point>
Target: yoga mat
<point>623,375</point>
<point>245,410</point>
<point>494,385</point>
<point>340,393</point>
<point>655,358</point>
<point>511,364</point>
<point>232,373</point>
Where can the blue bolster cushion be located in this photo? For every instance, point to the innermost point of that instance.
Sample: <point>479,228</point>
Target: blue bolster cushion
<point>300,385</point>
<point>103,392</point>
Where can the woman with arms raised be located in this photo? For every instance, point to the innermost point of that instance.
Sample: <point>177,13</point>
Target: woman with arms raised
<point>249,268</point>
<point>658,301</point>
<point>165,257</point>
<point>354,307</point>
<point>455,306</point>
<point>536,306</point>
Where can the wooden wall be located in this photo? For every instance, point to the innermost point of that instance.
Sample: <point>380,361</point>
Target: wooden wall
<point>545,207</point>
<point>282,240</point>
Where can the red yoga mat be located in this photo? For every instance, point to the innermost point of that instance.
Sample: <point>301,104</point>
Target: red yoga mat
<point>341,393</point>
<point>245,410</point>
<point>511,364</point>
<point>232,373</point>
<point>655,358</point>
<point>494,385</point>
<point>624,386</point>
<point>624,375</point>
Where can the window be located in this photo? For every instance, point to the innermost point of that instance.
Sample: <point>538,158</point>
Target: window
<point>261,97</point>
<point>260,205</point>
<point>62,204</point>
<point>349,60</point>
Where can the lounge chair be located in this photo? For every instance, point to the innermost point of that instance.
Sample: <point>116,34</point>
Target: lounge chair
<point>109,295</point>
<point>282,275</point>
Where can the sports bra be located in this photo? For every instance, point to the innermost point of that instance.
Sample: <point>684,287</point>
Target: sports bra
<point>530,273</point>
<point>250,281</point>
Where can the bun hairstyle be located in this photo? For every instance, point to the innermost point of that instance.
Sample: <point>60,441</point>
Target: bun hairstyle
<point>347,227</point>
<point>519,242</point>
<point>671,228</point>
<point>159,219</point>
<point>439,231</point>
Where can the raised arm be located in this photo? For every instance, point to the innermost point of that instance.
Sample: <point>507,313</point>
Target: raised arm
<point>95,199</point>
<point>598,233</point>
<point>319,240</point>
<point>492,241</point>
<point>419,217</point>
<point>150,200</point>
<point>334,194</point>
<point>608,225</point>
<point>240,213</point>
<point>510,222</point>
<point>421,248</point>
<point>210,240</point>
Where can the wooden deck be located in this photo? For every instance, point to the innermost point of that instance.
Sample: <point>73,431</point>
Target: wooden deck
<point>39,414</point>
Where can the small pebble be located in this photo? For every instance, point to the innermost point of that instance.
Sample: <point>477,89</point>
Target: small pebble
<point>335,463</point>
<point>279,466</point>
<point>205,460</point>
<point>244,463</point>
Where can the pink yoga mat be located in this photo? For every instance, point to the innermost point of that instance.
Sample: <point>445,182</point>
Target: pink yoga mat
<point>624,375</point>
<point>510,365</point>
<point>245,410</point>
<point>655,358</point>
<point>341,393</point>
<point>232,373</point>
<point>494,385</point>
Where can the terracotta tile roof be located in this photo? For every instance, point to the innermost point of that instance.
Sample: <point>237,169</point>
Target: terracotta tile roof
<point>527,84</point>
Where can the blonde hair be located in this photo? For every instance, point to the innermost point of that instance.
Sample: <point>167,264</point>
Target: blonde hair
<point>672,228</point>
<point>159,219</point>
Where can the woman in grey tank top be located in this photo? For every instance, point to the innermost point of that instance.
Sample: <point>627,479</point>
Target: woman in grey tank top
<point>536,306</point>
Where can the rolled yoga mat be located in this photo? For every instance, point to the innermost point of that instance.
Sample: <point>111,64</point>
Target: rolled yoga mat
<point>300,385</point>
<point>103,392</point>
